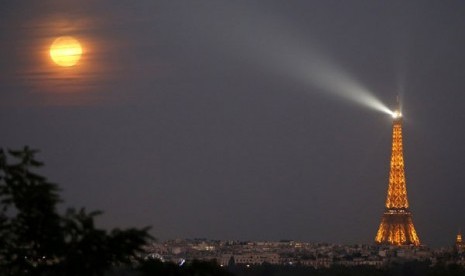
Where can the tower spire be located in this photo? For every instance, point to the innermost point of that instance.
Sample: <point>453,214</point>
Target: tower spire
<point>397,113</point>
<point>396,226</point>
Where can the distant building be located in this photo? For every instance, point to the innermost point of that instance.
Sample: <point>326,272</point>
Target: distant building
<point>459,244</point>
<point>251,258</point>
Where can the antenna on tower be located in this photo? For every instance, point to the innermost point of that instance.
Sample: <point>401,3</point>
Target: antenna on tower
<point>398,102</point>
<point>397,113</point>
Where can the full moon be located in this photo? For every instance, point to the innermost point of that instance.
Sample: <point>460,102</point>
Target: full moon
<point>65,51</point>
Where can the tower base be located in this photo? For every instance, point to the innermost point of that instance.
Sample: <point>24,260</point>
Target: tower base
<point>397,228</point>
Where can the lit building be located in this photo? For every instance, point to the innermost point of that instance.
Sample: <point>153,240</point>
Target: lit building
<point>459,244</point>
<point>396,226</point>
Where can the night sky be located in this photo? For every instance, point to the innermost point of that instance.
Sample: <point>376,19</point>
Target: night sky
<point>242,120</point>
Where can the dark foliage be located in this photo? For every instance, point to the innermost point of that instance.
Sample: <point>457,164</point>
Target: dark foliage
<point>297,270</point>
<point>36,240</point>
<point>195,268</point>
<point>396,269</point>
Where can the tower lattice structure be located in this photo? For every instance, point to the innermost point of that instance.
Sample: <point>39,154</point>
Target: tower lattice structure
<point>396,226</point>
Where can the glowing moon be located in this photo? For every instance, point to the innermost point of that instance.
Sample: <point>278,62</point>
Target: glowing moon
<point>65,51</point>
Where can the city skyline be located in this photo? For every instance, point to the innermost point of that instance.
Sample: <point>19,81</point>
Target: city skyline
<point>238,120</point>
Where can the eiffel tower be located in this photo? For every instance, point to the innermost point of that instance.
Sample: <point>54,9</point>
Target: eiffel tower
<point>396,226</point>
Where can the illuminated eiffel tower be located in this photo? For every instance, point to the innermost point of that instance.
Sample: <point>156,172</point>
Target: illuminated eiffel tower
<point>396,226</point>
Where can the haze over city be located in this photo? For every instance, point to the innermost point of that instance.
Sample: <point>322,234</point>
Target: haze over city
<point>242,120</point>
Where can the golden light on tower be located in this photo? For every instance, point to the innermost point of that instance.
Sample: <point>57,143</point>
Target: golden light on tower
<point>459,244</point>
<point>65,51</point>
<point>396,226</point>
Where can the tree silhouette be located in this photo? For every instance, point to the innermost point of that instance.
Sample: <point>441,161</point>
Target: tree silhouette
<point>193,268</point>
<point>36,240</point>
